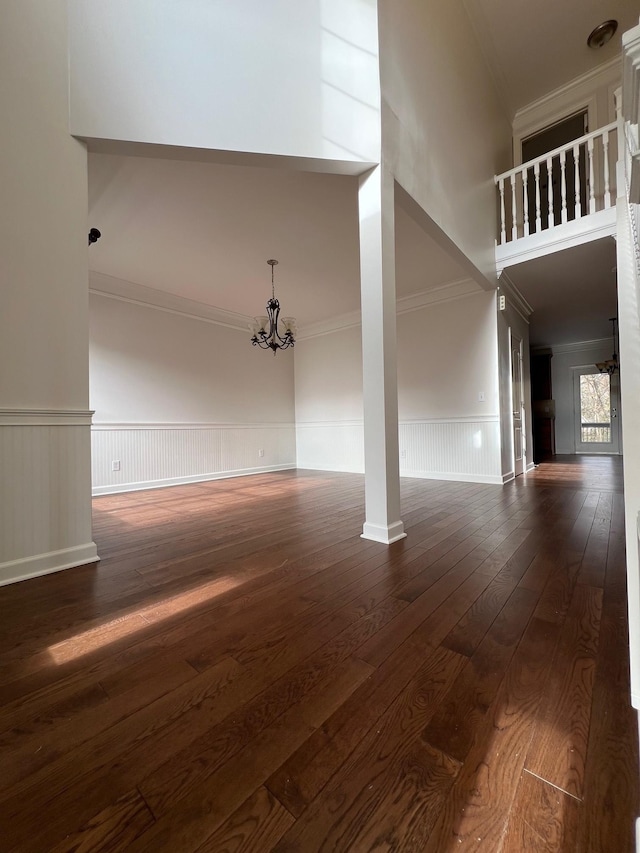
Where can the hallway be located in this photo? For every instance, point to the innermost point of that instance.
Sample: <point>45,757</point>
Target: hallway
<point>243,671</point>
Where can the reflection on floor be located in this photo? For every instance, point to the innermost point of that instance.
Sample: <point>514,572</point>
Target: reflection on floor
<point>243,671</point>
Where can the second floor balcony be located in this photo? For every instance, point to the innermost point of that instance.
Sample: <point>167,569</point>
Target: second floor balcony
<point>560,199</point>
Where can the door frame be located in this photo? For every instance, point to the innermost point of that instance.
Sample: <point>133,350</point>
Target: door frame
<point>612,448</point>
<point>519,463</point>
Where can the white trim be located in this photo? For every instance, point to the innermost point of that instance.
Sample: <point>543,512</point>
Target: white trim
<point>414,302</point>
<point>576,346</point>
<point>350,320</point>
<point>508,477</point>
<point>45,417</point>
<point>579,346</point>
<point>444,293</point>
<point>181,481</point>
<point>107,426</point>
<point>46,564</point>
<point>488,479</point>
<point>530,466</point>
<point>148,297</point>
<point>462,419</point>
<point>567,99</point>
<point>593,226</point>
<point>386,534</point>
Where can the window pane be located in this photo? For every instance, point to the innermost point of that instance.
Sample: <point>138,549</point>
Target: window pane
<point>595,407</point>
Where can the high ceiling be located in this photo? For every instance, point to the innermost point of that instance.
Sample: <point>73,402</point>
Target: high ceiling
<point>533,48</point>
<point>205,231</point>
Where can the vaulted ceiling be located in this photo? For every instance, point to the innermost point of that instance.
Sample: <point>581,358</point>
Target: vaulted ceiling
<point>535,47</point>
<point>204,231</point>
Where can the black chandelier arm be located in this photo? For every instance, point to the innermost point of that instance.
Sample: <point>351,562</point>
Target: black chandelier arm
<point>272,338</point>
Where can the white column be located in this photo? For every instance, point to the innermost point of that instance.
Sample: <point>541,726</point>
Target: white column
<point>380,382</point>
<point>45,472</point>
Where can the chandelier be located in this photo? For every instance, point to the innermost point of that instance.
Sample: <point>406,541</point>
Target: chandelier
<point>611,365</point>
<point>266,332</point>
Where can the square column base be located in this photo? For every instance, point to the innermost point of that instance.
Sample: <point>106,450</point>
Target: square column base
<point>383,533</point>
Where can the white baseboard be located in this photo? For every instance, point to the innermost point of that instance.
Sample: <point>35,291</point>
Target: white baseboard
<point>508,477</point>
<point>386,534</point>
<point>530,466</point>
<point>488,479</point>
<point>46,564</point>
<point>181,481</point>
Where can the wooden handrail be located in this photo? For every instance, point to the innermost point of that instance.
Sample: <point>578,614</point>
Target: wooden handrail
<point>594,134</point>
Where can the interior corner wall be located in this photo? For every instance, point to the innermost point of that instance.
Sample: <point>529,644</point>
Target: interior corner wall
<point>295,79</point>
<point>178,399</point>
<point>562,374</point>
<point>444,132</point>
<point>45,500</point>
<point>447,355</point>
<point>511,321</point>
<point>329,406</point>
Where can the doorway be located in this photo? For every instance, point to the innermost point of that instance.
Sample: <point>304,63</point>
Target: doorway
<point>596,407</point>
<point>540,143</point>
<point>517,406</point>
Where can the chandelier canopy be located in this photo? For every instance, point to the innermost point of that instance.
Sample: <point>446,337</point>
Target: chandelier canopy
<point>611,365</point>
<point>270,332</point>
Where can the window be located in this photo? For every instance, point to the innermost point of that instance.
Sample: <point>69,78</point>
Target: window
<point>595,408</point>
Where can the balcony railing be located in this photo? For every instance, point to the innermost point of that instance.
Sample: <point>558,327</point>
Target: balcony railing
<point>559,187</point>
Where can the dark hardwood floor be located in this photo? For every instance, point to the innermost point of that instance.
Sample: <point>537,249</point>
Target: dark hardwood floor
<point>243,672</point>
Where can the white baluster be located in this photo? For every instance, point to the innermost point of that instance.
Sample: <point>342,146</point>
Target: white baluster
<point>536,173</point>
<point>551,222</point>
<point>503,233</point>
<point>607,188</point>
<point>576,181</point>
<point>592,197</point>
<point>563,184</point>
<point>525,201</point>
<point>514,219</point>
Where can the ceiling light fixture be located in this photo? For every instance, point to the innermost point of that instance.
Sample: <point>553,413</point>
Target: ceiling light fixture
<point>611,365</point>
<point>266,334</point>
<point>603,33</point>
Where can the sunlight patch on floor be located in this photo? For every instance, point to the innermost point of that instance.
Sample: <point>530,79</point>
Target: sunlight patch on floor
<point>89,641</point>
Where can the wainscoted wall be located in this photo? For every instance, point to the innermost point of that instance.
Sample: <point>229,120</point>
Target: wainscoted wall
<point>454,449</point>
<point>155,455</point>
<point>465,449</point>
<point>331,446</point>
<point>44,491</point>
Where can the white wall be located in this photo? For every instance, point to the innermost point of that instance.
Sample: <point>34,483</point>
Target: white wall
<point>447,354</point>
<point>565,358</point>
<point>45,511</point>
<point>179,399</point>
<point>328,393</point>
<point>287,77</point>
<point>444,133</point>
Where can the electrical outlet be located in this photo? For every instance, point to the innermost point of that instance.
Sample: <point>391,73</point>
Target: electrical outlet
<point>115,465</point>
<point>261,452</point>
<point>481,396</point>
<point>403,454</point>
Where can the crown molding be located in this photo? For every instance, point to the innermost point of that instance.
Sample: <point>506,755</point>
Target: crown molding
<point>328,327</point>
<point>514,297</point>
<point>554,103</point>
<point>578,346</point>
<point>445,293</point>
<point>101,284</point>
<point>45,417</point>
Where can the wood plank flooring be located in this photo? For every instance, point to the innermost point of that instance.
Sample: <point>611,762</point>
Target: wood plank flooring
<point>243,672</point>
